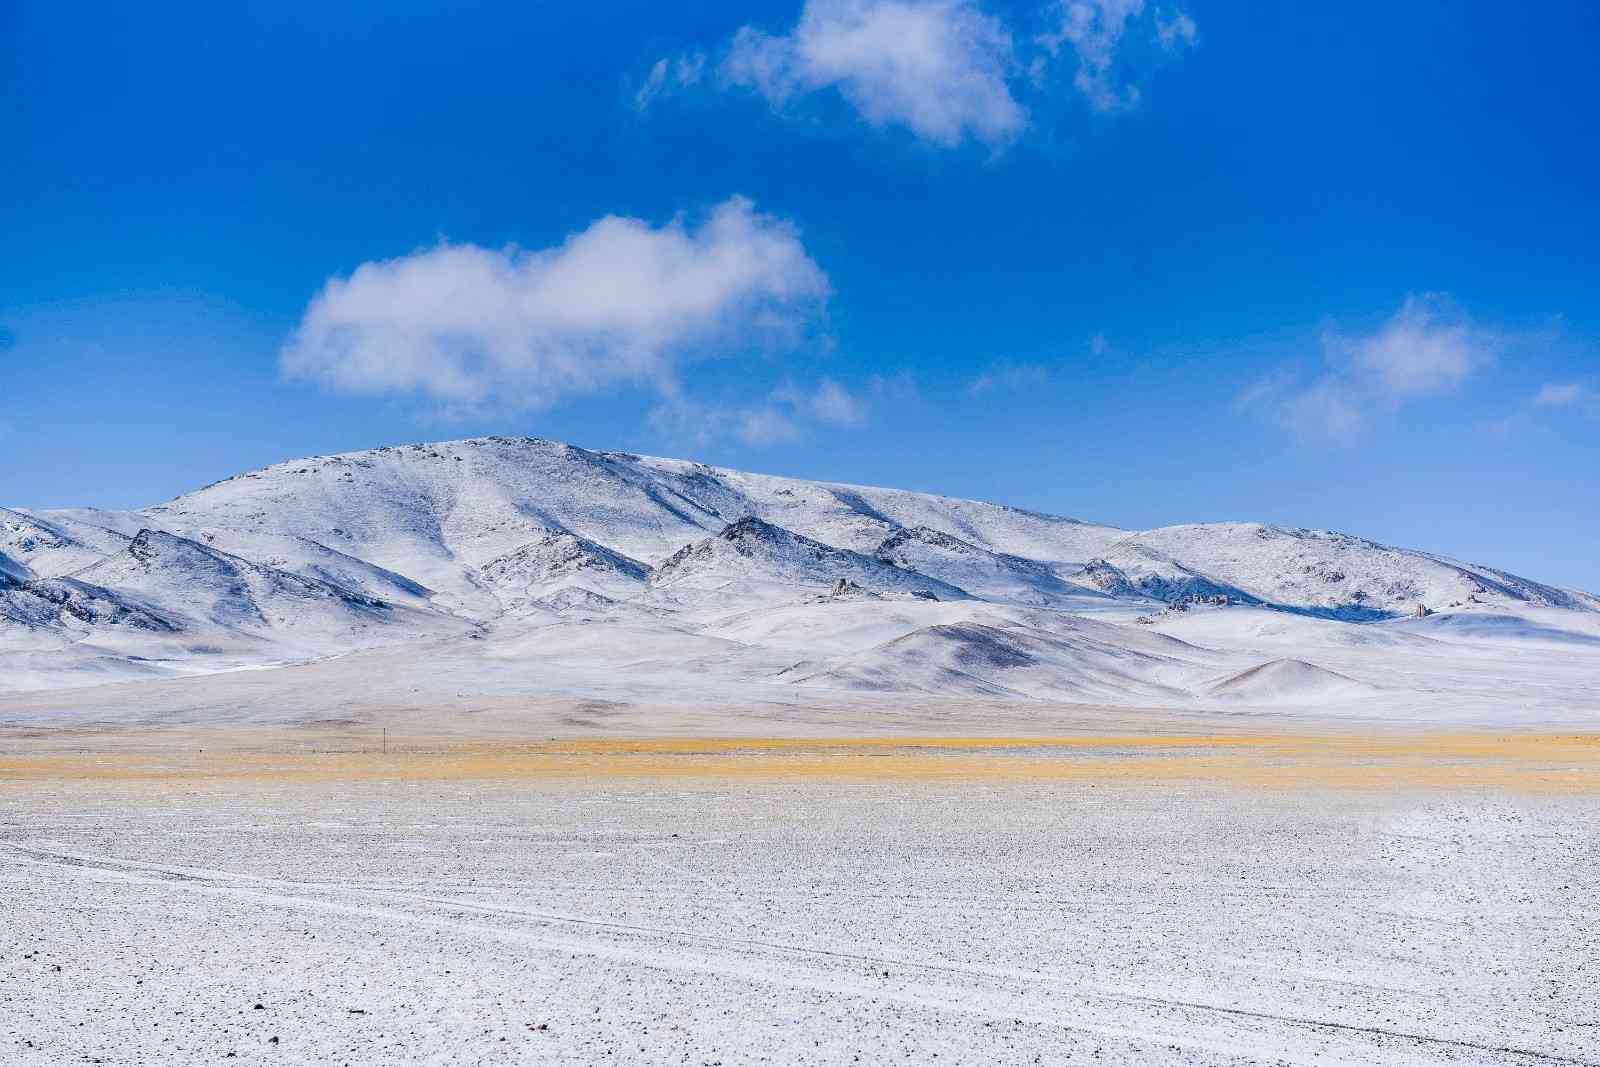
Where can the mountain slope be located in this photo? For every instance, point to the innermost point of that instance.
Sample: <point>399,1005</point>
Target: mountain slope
<point>193,587</point>
<point>992,575</point>
<point>562,562</point>
<point>24,609</point>
<point>1318,570</point>
<point>13,570</point>
<point>436,512</point>
<point>36,546</point>
<point>752,551</point>
<point>1290,681</point>
<point>309,559</point>
<point>1007,657</point>
<point>861,517</point>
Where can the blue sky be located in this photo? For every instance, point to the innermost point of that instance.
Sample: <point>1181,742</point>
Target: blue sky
<point>1132,262</point>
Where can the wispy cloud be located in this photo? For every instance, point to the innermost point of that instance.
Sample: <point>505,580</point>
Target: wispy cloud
<point>1094,29</point>
<point>1327,410</point>
<point>1428,347</point>
<point>1176,30</point>
<point>1549,402</point>
<point>897,387</point>
<point>766,426</point>
<point>667,75</point>
<point>788,414</point>
<point>1005,375</point>
<point>1554,395</point>
<point>835,405</point>
<point>947,70</point>
<point>620,303</point>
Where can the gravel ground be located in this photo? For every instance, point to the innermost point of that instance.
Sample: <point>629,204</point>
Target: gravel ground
<point>794,922</point>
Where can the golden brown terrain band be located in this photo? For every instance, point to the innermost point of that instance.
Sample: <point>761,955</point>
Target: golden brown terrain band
<point>1564,763</point>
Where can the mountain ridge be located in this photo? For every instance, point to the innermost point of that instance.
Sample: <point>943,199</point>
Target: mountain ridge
<point>488,536</point>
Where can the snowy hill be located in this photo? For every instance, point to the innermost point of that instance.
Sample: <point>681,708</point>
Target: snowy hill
<point>594,571</point>
<point>1287,681</point>
<point>308,559</point>
<point>1318,570</point>
<point>564,564</point>
<point>752,550</point>
<point>436,513</point>
<point>1000,655</point>
<point>162,581</point>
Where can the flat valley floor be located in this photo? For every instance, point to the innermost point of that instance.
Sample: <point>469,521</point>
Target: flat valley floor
<point>1101,896</point>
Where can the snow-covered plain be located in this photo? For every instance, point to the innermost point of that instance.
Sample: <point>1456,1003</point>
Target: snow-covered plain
<point>387,918</point>
<point>523,566</point>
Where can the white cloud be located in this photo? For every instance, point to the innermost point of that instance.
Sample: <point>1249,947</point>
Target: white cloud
<point>1175,31</point>
<point>945,69</point>
<point>1553,395</point>
<point>766,426</point>
<point>621,302</point>
<point>829,403</point>
<point>786,415</point>
<point>1327,410</point>
<point>667,74</point>
<point>1426,347</point>
<point>832,403</point>
<point>937,67</point>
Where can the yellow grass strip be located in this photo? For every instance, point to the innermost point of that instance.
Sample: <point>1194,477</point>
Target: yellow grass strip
<point>1567,763</point>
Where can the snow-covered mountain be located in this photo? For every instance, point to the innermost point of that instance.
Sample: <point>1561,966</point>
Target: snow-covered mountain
<point>195,588</point>
<point>752,551</point>
<point>1317,570</point>
<point>779,581</point>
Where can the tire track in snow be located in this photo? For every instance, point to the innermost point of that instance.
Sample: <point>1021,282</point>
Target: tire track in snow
<point>1154,1027</point>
